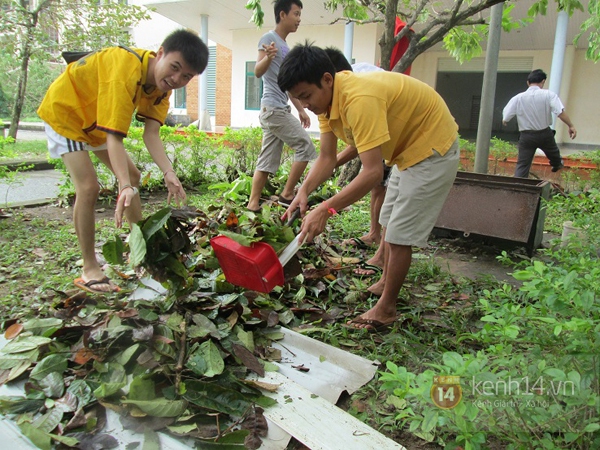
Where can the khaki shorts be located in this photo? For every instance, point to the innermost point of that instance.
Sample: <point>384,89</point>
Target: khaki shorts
<point>415,197</point>
<point>59,145</point>
<point>280,126</point>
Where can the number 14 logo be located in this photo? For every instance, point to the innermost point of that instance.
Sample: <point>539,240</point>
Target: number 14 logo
<point>446,392</point>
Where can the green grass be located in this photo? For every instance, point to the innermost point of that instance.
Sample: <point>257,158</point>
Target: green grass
<point>25,150</point>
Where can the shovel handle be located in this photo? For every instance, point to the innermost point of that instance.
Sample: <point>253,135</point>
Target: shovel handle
<point>293,246</point>
<point>293,217</point>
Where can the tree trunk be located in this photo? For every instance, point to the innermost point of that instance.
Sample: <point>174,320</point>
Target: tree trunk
<point>349,172</point>
<point>25,55</point>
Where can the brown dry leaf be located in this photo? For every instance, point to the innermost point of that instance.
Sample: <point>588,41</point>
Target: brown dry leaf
<point>269,387</point>
<point>83,355</point>
<point>248,359</point>
<point>342,261</point>
<point>252,442</point>
<point>257,425</point>
<point>40,252</point>
<point>301,368</point>
<point>315,274</point>
<point>127,313</point>
<point>13,331</point>
<point>272,319</point>
<point>233,319</point>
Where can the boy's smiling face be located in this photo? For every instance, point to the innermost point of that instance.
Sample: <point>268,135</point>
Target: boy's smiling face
<point>170,71</point>
<point>312,97</point>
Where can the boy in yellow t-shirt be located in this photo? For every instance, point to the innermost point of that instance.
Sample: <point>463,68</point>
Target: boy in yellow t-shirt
<point>89,108</point>
<point>384,115</point>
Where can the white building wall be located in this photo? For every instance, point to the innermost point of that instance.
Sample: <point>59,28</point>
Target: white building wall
<point>578,93</point>
<point>245,49</point>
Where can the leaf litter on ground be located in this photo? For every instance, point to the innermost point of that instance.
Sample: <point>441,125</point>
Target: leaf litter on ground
<point>177,363</point>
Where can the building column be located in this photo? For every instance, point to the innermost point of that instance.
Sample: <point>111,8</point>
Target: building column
<point>558,55</point>
<point>558,58</point>
<point>348,41</point>
<point>488,91</point>
<point>203,114</point>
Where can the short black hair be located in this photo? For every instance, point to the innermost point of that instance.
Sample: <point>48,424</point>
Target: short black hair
<point>304,63</point>
<point>284,6</point>
<point>338,59</point>
<point>193,50</point>
<point>536,76</point>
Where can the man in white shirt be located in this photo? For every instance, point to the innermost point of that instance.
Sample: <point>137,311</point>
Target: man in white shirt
<point>534,109</point>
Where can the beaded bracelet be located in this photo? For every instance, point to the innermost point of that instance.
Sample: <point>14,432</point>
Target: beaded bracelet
<point>170,170</point>
<point>135,190</point>
<point>331,211</point>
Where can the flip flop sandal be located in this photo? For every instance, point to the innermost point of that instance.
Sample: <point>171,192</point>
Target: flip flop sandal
<point>373,325</point>
<point>370,268</point>
<point>284,201</point>
<point>358,243</point>
<point>89,285</point>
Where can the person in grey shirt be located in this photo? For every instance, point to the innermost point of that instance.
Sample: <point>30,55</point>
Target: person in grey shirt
<point>534,109</point>
<point>278,124</point>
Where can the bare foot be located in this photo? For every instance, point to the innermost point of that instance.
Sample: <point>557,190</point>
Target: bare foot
<point>253,207</point>
<point>373,320</point>
<point>376,260</point>
<point>371,238</point>
<point>377,288</point>
<point>99,285</point>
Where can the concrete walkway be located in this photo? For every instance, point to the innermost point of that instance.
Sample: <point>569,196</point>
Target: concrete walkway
<point>33,187</point>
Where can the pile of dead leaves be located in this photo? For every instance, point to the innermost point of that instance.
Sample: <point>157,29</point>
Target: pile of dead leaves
<point>178,363</point>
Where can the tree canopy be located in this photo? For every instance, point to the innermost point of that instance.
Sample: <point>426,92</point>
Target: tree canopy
<point>458,24</point>
<point>39,31</point>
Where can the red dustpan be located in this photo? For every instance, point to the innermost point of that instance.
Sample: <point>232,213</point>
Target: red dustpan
<point>257,267</point>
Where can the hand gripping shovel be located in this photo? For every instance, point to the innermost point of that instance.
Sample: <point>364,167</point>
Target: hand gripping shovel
<point>257,267</point>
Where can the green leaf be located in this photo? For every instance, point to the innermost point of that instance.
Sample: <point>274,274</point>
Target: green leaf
<point>125,356</point>
<point>207,360</point>
<point>182,429</point>
<point>141,389</point>
<point>176,266</point>
<point>113,251</point>
<point>522,275</point>
<point>39,326</point>
<point>108,389</point>
<point>453,360</point>
<point>429,420</point>
<point>53,385</point>
<point>160,407</point>
<point>591,428</point>
<point>155,222</point>
<point>557,374</point>
<point>51,363</point>
<point>83,392</point>
<point>151,440</point>
<point>202,327</point>
<point>48,421</point>
<point>25,344</point>
<point>39,438</point>
<point>14,359</point>
<point>137,246</point>
<point>216,397</point>
<point>239,238</point>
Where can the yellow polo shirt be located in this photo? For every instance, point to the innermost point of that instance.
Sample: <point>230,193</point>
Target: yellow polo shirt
<point>99,93</point>
<point>404,116</point>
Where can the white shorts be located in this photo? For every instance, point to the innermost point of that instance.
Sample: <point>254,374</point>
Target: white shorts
<point>415,197</point>
<point>59,145</point>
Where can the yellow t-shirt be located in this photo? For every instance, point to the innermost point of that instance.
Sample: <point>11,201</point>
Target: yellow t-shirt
<point>404,116</point>
<point>99,93</point>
